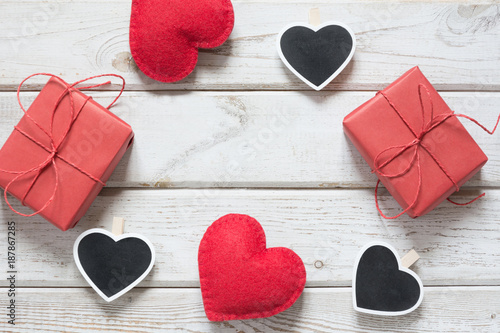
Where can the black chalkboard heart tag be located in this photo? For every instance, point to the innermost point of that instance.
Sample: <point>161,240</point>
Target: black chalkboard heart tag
<point>111,264</point>
<point>316,54</point>
<point>381,284</point>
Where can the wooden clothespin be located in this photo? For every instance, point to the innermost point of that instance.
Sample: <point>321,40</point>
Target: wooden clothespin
<point>118,225</point>
<point>314,17</point>
<point>410,258</point>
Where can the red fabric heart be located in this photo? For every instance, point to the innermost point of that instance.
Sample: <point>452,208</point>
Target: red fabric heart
<point>240,278</point>
<point>165,34</point>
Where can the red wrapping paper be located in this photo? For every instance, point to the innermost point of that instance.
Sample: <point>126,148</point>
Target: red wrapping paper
<point>451,155</point>
<point>95,143</point>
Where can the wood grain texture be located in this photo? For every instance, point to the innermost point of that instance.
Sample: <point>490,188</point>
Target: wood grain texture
<point>457,245</point>
<point>242,134</point>
<point>318,310</point>
<point>256,139</point>
<point>452,41</point>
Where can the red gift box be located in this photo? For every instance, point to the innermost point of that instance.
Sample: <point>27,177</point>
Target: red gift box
<point>414,143</point>
<point>62,152</point>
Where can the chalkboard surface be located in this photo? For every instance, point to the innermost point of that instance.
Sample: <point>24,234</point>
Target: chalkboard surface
<point>382,286</point>
<point>113,265</point>
<point>316,54</point>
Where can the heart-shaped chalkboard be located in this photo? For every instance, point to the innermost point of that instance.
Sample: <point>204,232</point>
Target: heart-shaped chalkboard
<point>111,264</point>
<point>381,285</point>
<point>316,54</point>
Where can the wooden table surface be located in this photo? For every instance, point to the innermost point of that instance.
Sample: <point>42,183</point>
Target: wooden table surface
<point>242,134</point>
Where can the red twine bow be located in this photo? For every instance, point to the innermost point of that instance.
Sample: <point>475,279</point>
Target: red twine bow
<point>417,145</point>
<point>54,147</point>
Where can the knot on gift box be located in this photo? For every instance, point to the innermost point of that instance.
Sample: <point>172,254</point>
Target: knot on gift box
<point>53,147</point>
<point>417,145</point>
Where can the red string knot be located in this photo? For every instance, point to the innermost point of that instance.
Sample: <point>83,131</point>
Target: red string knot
<point>435,121</point>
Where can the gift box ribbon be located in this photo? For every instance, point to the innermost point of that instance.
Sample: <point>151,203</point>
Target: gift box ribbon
<point>417,145</point>
<point>54,147</point>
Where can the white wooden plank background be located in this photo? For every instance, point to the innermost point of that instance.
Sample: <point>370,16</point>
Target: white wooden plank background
<point>318,310</point>
<point>243,135</point>
<point>452,41</point>
<point>256,139</point>
<point>458,246</point>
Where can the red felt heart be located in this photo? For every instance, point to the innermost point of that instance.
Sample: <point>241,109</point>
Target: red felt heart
<point>242,279</point>
<point>165,34</point>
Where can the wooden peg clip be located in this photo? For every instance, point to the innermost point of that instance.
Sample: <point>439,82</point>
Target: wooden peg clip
<point>118,225</point>
<point>314,18</point>
<point>410,258</point>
